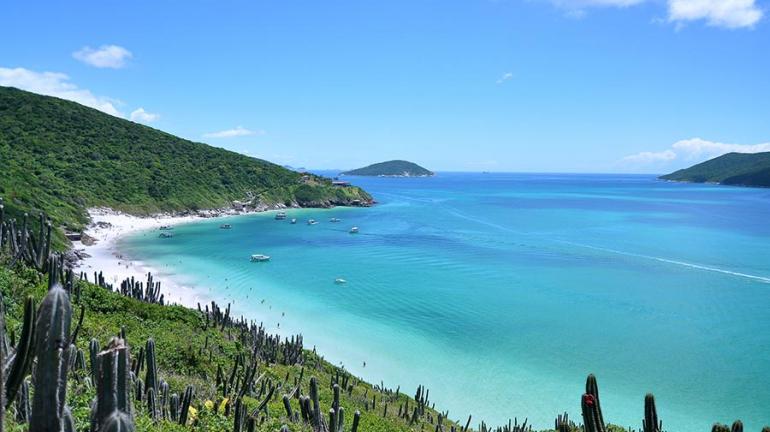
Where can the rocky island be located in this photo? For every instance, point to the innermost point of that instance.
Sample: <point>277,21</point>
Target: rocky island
<point>394,168</point>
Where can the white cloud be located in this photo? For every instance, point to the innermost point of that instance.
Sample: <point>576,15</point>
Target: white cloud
<point>692,150</point>
<point>650,157</point>
<point>58,85</point>
<point>700,149</point>
<point>106,56</point>
<point>505,77</point>
<point>235,132</point>
<point>720,13</point>
<point>142,116</point>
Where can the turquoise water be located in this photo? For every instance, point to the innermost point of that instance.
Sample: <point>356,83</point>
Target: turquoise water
<point>501,292</point>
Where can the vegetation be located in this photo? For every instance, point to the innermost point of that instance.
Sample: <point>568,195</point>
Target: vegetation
<point>394,168</point>
<point>740,169</point>
<point>62,157</point>
<point>194,370</point>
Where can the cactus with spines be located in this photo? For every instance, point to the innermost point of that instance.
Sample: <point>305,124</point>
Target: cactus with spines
<point>151,375</point>
<point>651,422</point>
<point>189,393</point>
<point>563,424</point>
<point>52,332</point>
<point>152,404</point>
<point>19,363</point>
<point>356,420</point>
<point>112,411</point>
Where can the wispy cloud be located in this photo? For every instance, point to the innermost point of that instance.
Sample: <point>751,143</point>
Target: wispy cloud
<point>235,132</point>
<point>691,151</point>
<point>650,157</point>
<point>142,116</point>
<point>58,85</point>
<point>504,77</point>
<point>106,56</point>
<point>718,13</point>
<point>730,14</point>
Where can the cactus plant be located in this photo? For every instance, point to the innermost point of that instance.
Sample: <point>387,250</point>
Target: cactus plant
<point>113,385</point>
<point>52,340</point>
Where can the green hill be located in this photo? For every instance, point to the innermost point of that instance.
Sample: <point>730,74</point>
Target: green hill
<point>741,169</point>
<point>394,168</point>
<point>62,157</point>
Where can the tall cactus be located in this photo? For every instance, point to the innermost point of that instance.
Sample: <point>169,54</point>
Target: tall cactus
<point>651,422</point>
<point>52,334</point>
<point>113,388</point>
<point>21,361</point>
<point>189,393</point>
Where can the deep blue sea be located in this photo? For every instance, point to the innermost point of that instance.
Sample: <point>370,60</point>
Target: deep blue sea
<point>501,292</point>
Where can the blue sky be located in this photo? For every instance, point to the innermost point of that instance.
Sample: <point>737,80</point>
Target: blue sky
<point>470,85</point>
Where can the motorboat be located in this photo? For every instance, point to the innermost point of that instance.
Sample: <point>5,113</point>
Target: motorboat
<point>166,235</point>
<point>354,230</point>
<point>166,228</point>
<point>260,258</point>
<point>280,216</point>
<point>225,226</point>
<point>293,221</point>
<point>340,281</point>
<point>312,221</point>
<point>334,220</point>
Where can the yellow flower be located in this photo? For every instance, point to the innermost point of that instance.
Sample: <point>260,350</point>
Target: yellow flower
<point>208,404</point>
<point>193,414</point>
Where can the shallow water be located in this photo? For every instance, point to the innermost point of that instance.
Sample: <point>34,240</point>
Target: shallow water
<point>501,292</point>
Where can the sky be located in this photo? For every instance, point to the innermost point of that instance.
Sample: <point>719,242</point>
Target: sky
<point>643,86</point>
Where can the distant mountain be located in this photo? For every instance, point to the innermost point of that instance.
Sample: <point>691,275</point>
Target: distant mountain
<point>394,168</point>
<point>62,157</point>
<point>740,169</point>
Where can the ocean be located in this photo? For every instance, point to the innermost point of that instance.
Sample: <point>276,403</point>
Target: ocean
<point>502,292</point>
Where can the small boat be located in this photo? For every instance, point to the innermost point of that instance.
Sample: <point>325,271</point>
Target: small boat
<point>340,281</point>
<point>311,222</point>
<point>166,235</point>
<point>280,216</point>
<point>354,230</point>
<point>225,226</point>
<point>166,228</point>
<point>293,221</point>
<point>334,220</point>
<point>260,258</point>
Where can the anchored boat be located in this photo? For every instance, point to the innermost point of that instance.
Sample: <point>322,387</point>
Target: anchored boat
<point>225,226</point>
<point>354,230</point>
<point>312,222</point>
<point>280,216</point>
<point>260,258</point>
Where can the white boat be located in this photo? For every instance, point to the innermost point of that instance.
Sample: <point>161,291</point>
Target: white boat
<point>311,222</point>
<point>260,258</point>
<point>354,230</point>
<point>340,281</point>
<point>225,226</point>
<point>293,221</point>
<point>166,228</point>
<point>334,220</point>
<point>280,216</point>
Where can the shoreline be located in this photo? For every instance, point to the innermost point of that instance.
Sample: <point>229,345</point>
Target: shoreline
<point>102,254</point>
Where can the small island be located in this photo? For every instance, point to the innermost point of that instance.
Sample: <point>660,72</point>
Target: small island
<point>394,168</point>
<point>735,169</point>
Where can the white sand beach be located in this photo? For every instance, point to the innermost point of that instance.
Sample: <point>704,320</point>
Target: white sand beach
<point>106,227</point>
